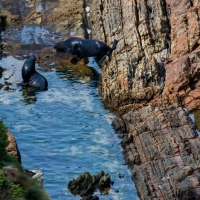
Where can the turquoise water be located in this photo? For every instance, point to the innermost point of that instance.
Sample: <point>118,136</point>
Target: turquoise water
<point>66,131</point>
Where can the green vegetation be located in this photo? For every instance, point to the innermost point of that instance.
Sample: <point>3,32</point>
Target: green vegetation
<point>15,190</point>
<point>5,158</point>
<point>2,179</point>
<point>3,142</point>
<point>36,193</point>
<point>14,183</point>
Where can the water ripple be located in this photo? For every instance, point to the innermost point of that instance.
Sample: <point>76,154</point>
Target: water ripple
<point>64,133</point>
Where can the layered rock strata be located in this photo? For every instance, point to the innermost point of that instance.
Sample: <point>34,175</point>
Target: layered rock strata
<point>152,77</point>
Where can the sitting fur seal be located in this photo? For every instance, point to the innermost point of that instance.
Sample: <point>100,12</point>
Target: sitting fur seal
<point>31,77</point>
<point>84,48</point>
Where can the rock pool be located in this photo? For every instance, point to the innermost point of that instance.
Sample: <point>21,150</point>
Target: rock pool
<point>64,132</point>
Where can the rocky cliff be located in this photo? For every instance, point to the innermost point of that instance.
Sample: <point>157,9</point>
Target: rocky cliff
<point>151,82</point>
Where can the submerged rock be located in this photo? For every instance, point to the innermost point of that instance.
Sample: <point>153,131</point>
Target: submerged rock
<point>85,185</point>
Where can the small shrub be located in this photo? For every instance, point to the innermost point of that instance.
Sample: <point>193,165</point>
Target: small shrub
<point>3,141</point>
<point>2,178</point>
<point>36,193</point>
<point>5,158</point>
<point>15,190</point>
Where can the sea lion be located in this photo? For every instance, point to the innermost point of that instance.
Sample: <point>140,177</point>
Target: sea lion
<point>31,77</point>
<point>84,48</point>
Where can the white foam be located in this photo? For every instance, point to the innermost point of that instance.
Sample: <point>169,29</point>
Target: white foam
<point>75,150</point>
<point>110,117</point>
<point>87,9</point>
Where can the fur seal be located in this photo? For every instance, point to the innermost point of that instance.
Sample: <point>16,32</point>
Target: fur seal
<point>84,48</point>
<point>31,77</point>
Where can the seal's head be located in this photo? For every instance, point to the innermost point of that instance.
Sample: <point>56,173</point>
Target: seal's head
<point>28,69</point>
<point>64,46</point>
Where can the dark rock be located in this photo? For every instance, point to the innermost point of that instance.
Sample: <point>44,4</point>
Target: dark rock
<point>85,185</point>
<point>2,23</point>
<point>1,85</point>
<point>6,88</point>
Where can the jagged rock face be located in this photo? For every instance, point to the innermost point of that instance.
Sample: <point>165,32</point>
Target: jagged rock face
<point>162,152</point>
<point>153,72</point>
<point>182,73</point>
<point>136,72</point>
<point>158,51</point>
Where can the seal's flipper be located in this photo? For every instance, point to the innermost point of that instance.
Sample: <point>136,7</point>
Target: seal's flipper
<point>102,59</point>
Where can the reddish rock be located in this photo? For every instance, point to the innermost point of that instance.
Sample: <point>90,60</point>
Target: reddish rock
<point>152,75</point>
<point>12,148</point>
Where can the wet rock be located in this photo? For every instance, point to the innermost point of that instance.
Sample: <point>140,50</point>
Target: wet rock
<point>38,175</point>
<point>119,126</point>
<point>34,28</point>
<point>1,71</point>
<point>6,88</point>
<point>91,198</point>
<point>85,185</point>
<point>79,71</point>
<point>1,85</point>
<point>2,23</point>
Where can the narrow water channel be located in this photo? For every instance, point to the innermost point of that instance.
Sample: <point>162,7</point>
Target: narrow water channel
<point>64,132</point>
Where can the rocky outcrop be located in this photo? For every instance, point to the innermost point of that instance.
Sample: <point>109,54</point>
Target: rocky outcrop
<point>12,148</point>
<point>136,72</point>
<point>152,76</point>
<point>85,185</point>
<point>157,55</point>
<point>162,150</point>
<point>34,26</point>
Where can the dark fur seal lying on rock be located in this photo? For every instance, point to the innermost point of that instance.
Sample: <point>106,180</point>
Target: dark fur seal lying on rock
<point>84,48</point>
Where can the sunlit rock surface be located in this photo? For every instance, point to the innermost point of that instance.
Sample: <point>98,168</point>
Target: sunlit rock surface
<point>152,76</point>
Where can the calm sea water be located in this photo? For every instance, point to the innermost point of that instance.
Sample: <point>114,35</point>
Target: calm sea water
<point>66,132</point>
